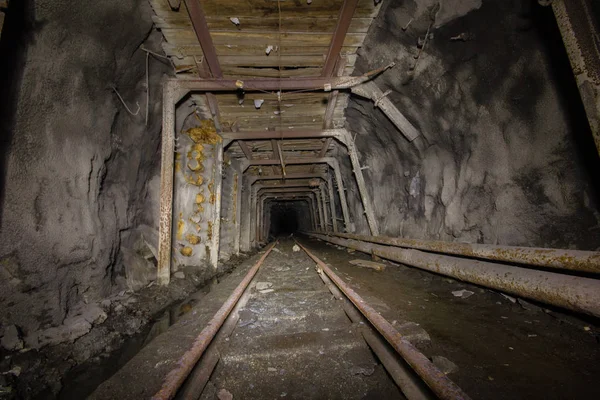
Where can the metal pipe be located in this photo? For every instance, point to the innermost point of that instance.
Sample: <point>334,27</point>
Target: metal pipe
<point>186,363</point>
<point>437,381</point>
<point>566,291</point>
<point>574,260</point>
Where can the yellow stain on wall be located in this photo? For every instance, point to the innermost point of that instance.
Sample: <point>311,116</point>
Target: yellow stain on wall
<point>205,133</point>
<point>209,233</point>
<point>200,198</point>
<point>186,251</point>
<point>180,227</point>
<point>192,239</point>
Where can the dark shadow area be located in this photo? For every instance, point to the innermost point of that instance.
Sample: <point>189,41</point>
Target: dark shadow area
<point>284,220</point>
<point>17,33</point>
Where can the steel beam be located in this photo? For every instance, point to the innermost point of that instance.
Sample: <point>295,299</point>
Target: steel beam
<point>245,149</point>
<point>332,204</point>
<point>295,134</point>
<point>198,20</point>
<point>170,97</point>
<point>316,84</point>
<point>362,187</point>
<point>218,184</point>
<point>580,32</point>
<point>567,291</point>
<point>339,35</point>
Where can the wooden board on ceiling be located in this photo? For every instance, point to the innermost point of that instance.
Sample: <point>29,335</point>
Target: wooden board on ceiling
<point>188,37</point>
<point>267,8</point>
<point>249,24</point>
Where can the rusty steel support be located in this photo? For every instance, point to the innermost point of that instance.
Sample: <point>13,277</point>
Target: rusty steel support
<point>218,185</point>
<point>581,35</point>
<point>238,207</point>
<point>198,20</point>
<point>362,186</point>
<point>279,135</point>
<point>574,260</point>
<point>571,292</point>
<point>331,161</point>
<point>177,376</point>
<point>332,204</point>
<point>339,35</point>
<point>315,84</point>
<point>246,149</point>
<point>170,98</point>
<point>324,202</point>
<point>437,381</point>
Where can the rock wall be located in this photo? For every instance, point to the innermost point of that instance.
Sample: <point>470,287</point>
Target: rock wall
<point>78,171</point>
<point>505,154</point>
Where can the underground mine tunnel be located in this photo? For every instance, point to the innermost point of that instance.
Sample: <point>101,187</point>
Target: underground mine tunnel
<point>319,199</point>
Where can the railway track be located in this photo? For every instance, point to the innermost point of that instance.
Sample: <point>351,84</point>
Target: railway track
<point>293,329</point>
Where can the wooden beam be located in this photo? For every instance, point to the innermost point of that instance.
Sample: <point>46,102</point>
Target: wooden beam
<point>245,149</point>
<point>202,33</point>
<point>339,35</point>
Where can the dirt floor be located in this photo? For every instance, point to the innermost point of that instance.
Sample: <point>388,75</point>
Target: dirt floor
<point>504,348</point>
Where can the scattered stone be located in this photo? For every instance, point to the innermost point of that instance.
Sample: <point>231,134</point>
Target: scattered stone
<point>296,248</point>
<point>366,370</point>
<point>263,285</point>
<point>531,335</point>
<point>463,294</point>
<point>509,298</point>
<point>12,340</point>
<point>235,21</point>
<point>368,264</point>
<point>413,332</point>
<point>350,251</point>
<point>224,394</point>
<point>179,275</point>
<point>138,270</point>
<point>266,291</point>
<point>16,371</point>
<point>587,328</point>
<point>444,365</point>
<point>271,369</point>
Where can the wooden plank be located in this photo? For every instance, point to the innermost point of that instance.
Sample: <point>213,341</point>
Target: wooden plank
<point>339,36</point>
<point>226,99</point>
<point>248,24</point>
<point>233,72</point>
<point>179,50</point>
<point>184,37</point>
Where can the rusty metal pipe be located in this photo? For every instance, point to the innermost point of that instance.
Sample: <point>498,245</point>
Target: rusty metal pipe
<point>186,363</point>
<point>575,260</point>
<point>437,381</point>
<point>571,292</point>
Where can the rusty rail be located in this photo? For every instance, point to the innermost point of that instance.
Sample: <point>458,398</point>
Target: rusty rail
<point>437,381</point>
<point>186,363</point>
<point>571,292</point>
<point>575,260</point>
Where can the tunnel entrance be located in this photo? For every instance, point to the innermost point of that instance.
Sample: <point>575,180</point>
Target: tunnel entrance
<point>287,217</point>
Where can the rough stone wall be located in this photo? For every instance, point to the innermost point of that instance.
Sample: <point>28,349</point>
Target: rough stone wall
<point>75,163</point>
<point>505,154</point>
